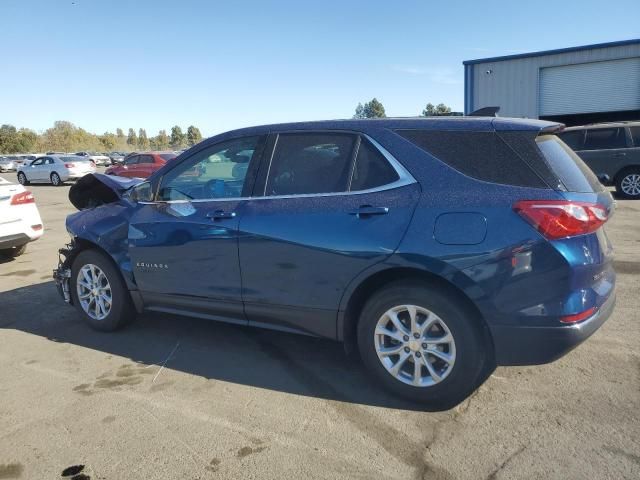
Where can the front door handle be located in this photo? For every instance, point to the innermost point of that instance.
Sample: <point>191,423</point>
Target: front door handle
<point>220,215</point>
<point>367,210</point>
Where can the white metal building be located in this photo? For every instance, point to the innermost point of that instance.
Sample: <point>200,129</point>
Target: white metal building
<point>577,85</point>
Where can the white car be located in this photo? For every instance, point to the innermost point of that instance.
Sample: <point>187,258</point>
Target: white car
<point>97,158</point>
<point>55,169</point>
<point>20,221</point>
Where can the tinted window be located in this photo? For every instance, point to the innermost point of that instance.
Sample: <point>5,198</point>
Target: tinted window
<point>604,138</point>
<point>39,161</point>
<point>219,171</point>
<point>167,156</point>
<point>573,138</point>
<point>132,160</point>
<point>481,155</point>
<point>310,163</point>
<point>372,169</point>
<point>635,134</point>
<point>145,159</point>
<point>572,171</point>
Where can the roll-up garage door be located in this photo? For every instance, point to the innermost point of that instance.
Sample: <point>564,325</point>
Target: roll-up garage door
<point>607,86</point>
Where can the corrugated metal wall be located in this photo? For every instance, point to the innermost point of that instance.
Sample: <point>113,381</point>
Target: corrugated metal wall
<point>608,86</point>
<point>514,84</point>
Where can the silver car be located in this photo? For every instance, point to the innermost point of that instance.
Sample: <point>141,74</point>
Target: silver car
<point>55,169</point>
<point>7,164</point>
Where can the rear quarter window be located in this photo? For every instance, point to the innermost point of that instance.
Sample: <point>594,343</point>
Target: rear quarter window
<point>481,155</point>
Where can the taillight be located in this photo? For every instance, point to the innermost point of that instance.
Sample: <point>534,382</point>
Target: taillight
<point>22,198</point>
<point>562,218</point>
<point>69,165</point>
<point>578,317</point>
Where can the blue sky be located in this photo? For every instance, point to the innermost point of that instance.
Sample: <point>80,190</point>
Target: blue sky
<point>103,64</point>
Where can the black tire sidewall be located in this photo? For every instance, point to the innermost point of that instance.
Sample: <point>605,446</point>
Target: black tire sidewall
<point>463,324</point>
<point>54,175</point>
<point>25,181</point>
<point>122,309</point>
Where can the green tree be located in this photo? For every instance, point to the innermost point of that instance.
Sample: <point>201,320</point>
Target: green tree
<point>109,141</point>
<point>178,139</point>
<point>8,139</point>
<point>193,135</point>
<point>372,109</point>
<point>132,139</point>
<point>160,141</point>
<point>143,141</point>
<point>436,111</point>
<point>27,140</point>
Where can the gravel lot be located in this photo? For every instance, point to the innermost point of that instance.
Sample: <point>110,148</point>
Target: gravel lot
<point>171,397</point>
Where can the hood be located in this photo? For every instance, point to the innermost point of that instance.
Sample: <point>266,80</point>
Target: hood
<point>96,189</point>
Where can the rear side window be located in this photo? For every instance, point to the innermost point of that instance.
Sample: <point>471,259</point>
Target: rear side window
<point>605,138</point>
<point>481,155</point>
<point>635,134</point>
<point>573,138</point>
<point>372,169</point>
<point>145,159</point>
<point>168,156</point>
<point>570,169</point>
<point>310,163</point>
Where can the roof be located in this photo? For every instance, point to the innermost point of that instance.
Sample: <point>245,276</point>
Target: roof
<point>428,123</point>
<point>542,53</point>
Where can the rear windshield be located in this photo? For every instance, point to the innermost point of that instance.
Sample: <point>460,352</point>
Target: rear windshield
<point>168,156</point>
<point>570,169</point>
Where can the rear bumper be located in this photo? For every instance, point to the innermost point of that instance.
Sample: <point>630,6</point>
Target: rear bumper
<point>15,240</point>
<point>531,345</point>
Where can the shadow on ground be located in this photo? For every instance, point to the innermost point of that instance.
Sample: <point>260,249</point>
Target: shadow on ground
<point>255,357</point>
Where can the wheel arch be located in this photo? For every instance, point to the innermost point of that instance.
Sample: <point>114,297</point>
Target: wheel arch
<point>623,171</point>
<point>348,321</point>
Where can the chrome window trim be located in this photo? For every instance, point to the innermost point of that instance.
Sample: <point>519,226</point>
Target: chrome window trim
<point>404,178</point>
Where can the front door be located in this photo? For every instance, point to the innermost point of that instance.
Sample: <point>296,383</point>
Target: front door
<point>36,171</point>
<point>333,206</point>
<point>184,245</point>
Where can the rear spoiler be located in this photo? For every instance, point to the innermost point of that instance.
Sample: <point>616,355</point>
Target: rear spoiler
<point>485,112</point>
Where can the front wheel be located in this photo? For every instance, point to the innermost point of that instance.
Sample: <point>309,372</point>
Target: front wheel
<point>56,181</point>
<point>628,184</point>
<point>419,342</point>
<point>22,179</point>
<point>99,292</point>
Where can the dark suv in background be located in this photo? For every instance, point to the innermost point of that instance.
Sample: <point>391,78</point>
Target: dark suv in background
<point>611,149</point>
<point>436,247</point>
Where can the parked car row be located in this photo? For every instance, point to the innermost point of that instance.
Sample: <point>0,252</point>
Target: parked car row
<point>612,151</point>
<point>20,221</point>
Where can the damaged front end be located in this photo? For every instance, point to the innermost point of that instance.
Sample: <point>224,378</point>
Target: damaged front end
<point>62,274</point>
<point>93,227</point>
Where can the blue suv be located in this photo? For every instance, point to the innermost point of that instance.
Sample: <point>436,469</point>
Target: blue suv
<point>438,248</point>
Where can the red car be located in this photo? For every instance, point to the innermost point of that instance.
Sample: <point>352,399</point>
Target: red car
<point>141,165</point>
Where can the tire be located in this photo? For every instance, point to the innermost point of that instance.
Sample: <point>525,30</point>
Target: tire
<point>56,181</point>
<point>22,179</point>
<point>121,310</point>
<point>14,252</point>
<point>451,383</point>
<point>628,184</point>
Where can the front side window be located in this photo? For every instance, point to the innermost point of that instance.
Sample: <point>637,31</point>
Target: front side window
<point>216,172</point>
<point>310,163</point>
<point>605,138</point>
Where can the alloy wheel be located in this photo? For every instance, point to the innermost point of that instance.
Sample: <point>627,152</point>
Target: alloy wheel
<point>55,179</point>
<point>94,292</point>
<point>415,345</point>
<point>630,184</point>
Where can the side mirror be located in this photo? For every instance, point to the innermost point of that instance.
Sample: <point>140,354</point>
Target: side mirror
<point>141,193</point>
<point>604,178</point>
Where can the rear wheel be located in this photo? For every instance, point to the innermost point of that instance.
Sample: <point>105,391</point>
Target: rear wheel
<point>99,292</point>
<point>420,343</point>
<point>56,181</point>
<point>628,184</point>
<point>22,179</point>
<point>14,252</point>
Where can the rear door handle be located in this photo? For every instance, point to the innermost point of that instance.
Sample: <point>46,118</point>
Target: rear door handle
<point>620,154</point>
<point>220,215</point>
<point>367,210</point>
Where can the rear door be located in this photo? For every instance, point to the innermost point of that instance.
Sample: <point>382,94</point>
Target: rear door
<point>146,166</point>
<point>605,150</point>
<point>327,206</point>
<point>130,167</point>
